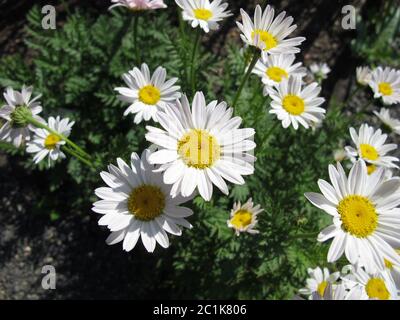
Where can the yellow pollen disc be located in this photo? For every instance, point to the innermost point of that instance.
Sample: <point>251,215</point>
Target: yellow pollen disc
<point>199,149</point>
<point>268,39</point>
<point>376,289</point>
<point>276,74</point>
<point>149,95</point>
<point>321,288</point>
<point>358,216</point>
<point>146,202</point>
<point>388,264</point>
<point>368,152</point>
<point>371,168</point>
<point>51,141</point>
<point>385,89</point>
<point>293,104</point>
<point>203,14</point>
<point>241,219</point>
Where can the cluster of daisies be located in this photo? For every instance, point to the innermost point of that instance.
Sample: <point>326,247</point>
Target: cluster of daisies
<point>38,141</point>
<point>364,207</point>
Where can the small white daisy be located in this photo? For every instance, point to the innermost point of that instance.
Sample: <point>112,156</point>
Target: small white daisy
<point>385,83</point>
<point>391,124</point>
<point>45,143</point>
<point>272,69</point>
<point>204,13</point>
<point>293,104</point>
<point>12,130</point>
<point>201,146</point>
<point>394,272</point>
<point>147,94</point>
<point>366,221</point>
<point>268,33</point>
<point>370,146</point>
<point>137,203</point>
<point>371,286</point>
<point>319,281</point>
<point>334,292</point>
<point>244,217</point>
<point>139,5</point>
<point>320,70</point>
<point>363,75</point>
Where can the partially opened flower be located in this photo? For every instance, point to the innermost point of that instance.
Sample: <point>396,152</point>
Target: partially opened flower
<point>320,70</point>
<point>137,204</point>
<point>370,146</point>
<point>138,5</point>
<point>385,83</point>
<point>16,129</point>
<point>268,32</point>
<point>371,286</point>
<point>319,281</point>
<point>201,146</point>
<point>389,123</point>
<point>205,14</point>
<point>147,94</point>
<point>272,69</point>
<point>45,143</point>
<point>294,105</point>
<point>365,216</point>
<point>244,217</point>
<point>363,75</point>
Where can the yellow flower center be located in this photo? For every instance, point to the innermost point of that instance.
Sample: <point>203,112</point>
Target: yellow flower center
<point>388,264</point>
<point>51,141</point>
<point>199,149</point>
<point>203,14</point>
<point>241,219</point>
<point>358,215</point>
<point>385,89</point>
<point>376,289</point>
<point>293,104</point>
<point>368,152</point>
<point>149,95</point>
<point>268,39</point>
<point>146,202</point>
<point>321,288</point>
<point>276,74</point>
<point>371,168</point>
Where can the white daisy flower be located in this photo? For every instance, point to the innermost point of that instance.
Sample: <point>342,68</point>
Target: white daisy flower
<point>204,13</point>
<point>370,146</point>
<point>293,104</point>
<point>267,33</point>
<point>320,70</point>
<point>45,143</point>
<point>334,292</point>
<point>201,146</point>
<point>147,94</point>
<point>371,286</point>
<point>363,75</point>
<point>272,69</point>
<point>139,5</point>
<point>137,203</point>
<point>365,218</point>
<point>244,217</point>
<point>319,281</point>
<point>14,130</point>
<point>385,83</point>
<point>391,124</point>
<point>394,272</point>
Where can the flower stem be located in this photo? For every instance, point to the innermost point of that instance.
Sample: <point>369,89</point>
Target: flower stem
<point>38,124</point>
<point>135,37</point>
<point>77,155</point>
<point>192,64</point>
<point>253,62</point>
<point>269,133</point>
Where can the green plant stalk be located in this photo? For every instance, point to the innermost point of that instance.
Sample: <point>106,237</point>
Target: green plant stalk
<point>77,155</point>
<point>135,38</point>
<point>192,64</point>
<point>38,124</point>
<point>266,137</point>
<point>246,77</point>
